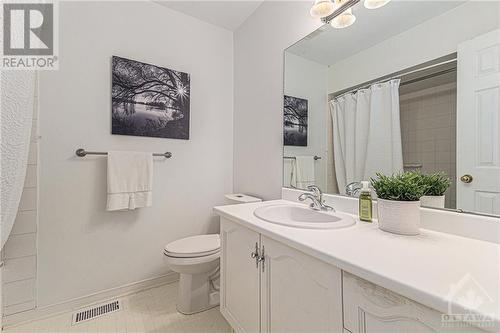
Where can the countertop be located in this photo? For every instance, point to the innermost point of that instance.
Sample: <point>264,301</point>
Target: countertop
<point>423,268</point>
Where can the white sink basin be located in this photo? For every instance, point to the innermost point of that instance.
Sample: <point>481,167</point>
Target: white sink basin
<point>303,217</point>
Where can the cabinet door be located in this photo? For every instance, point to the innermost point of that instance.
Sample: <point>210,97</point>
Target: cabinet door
<point>299,293</point>
<point>369,308</point>
<point>240,278</point>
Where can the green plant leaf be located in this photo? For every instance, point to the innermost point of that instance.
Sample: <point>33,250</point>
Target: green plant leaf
<point>410,186</point>
<point>404,186</point>
<point>435,184</point>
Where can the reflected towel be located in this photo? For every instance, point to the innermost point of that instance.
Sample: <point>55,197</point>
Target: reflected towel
<point>130,180</point>
<point>302,172</point>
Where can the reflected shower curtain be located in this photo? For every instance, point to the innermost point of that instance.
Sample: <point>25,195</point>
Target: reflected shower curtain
<point>17,105</point>
<point>367,133</point>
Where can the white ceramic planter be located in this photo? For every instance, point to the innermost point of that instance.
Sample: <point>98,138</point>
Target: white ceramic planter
<point>399,217</point>
<point>432,201</point>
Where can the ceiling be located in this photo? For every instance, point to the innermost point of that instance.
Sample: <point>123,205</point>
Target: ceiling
<point>328,45</point>
<point>226,14</point>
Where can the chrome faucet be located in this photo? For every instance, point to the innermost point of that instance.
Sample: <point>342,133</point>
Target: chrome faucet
<point>316,197</point>
<point>353,189</point>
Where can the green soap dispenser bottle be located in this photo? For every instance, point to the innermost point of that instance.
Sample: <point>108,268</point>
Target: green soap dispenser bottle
<point>365,202</point>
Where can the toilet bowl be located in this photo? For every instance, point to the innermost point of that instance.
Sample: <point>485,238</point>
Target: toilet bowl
<point>196,259</point>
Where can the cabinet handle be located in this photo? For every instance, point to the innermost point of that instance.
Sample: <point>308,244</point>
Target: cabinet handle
<point>262,258</point>
<point>255,255</point>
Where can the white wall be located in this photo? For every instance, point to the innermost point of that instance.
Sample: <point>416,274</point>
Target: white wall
<point>308,79</point>
<point>432,39</point>
<point>83,249</point>
<point>258,93</point>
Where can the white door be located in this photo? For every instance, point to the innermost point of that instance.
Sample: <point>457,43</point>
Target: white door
<point>240,278</point>
<point>478,124</point>
<point>299,293</point>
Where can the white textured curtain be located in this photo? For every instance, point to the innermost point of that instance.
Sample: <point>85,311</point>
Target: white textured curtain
<point>367,133</point>
<point>17,105</point>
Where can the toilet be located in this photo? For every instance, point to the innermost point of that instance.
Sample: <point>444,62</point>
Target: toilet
<point>196,259</point>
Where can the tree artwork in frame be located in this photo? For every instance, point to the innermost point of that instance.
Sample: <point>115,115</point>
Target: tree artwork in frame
<point>148,100</point>
<point>295,121</point>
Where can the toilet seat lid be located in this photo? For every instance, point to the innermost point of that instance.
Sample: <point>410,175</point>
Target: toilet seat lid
<point>194,246</point>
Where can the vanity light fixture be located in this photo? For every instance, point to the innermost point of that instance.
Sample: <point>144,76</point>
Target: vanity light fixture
<point>341,15</point>
<point>374,4</point>
<point>340,7</point>
<point>343,20</point>
<point>322,8</point>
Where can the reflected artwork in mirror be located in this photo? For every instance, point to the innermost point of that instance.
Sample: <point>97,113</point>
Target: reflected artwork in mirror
<point>294,121</point>
<point>407,87</point>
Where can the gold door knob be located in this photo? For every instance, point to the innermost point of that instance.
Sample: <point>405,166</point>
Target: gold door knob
<point>466,179</point>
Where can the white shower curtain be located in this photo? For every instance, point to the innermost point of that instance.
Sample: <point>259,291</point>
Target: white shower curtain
<point>17,105</point>
<point>367,133</point>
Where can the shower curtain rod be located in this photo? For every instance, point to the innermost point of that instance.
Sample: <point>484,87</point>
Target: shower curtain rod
<point>445,71</point>
<point>400,75</point>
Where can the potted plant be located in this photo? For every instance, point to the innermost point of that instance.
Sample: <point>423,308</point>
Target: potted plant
<point>434,187</point>
<point>399,202</point>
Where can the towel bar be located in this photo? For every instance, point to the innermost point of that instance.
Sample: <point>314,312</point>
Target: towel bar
<point>412,165</point>
<point>82,153</point>
<point>293,157</point>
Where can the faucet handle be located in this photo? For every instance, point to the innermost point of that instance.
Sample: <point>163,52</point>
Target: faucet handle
<point>316,190</point>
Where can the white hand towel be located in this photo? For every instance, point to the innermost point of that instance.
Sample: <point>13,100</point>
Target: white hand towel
<point>303,172</point>
<point>130,180</point>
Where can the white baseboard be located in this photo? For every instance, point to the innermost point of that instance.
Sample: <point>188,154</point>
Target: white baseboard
<point>80,302</point>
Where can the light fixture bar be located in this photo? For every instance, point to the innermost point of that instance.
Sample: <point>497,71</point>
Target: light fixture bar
<point>345,5</point>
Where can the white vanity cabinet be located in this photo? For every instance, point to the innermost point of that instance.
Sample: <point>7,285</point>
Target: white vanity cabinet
<point>286,291</point>
<point>369,308</point>
<point>281,289</point>
<point>240,277</point>
<point>299,293</point>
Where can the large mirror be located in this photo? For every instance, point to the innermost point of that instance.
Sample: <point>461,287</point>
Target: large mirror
<point>413,85</point>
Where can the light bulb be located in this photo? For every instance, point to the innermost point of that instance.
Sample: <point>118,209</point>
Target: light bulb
<point>322,8</point>
<point>343,20</point>
<point>374,4</point>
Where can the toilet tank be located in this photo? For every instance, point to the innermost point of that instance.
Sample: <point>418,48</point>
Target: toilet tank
<point>239,198</point>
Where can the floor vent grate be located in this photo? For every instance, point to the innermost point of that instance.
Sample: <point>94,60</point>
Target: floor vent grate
<point>96,311</point>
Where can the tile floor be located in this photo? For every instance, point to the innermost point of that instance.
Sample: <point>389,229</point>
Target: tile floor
<point>150,311</point>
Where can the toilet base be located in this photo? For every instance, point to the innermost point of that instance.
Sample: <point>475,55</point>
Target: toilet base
<point>201,310</point>
<point>195,293</point>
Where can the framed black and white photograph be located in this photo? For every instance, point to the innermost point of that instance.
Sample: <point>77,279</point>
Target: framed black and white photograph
<point>295,121</point>
<point>148,100</point>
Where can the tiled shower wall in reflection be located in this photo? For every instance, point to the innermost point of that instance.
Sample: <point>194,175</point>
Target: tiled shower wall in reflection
<point>428,128</point>
<point>20,251</point>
